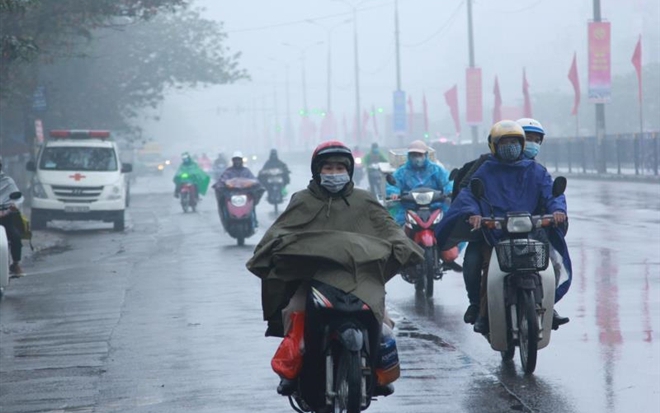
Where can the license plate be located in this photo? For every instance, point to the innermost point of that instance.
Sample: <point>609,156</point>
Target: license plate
<point>76,208</point>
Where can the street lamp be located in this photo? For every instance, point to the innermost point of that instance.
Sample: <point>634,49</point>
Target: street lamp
<point>329,33</point>
<point>302,51</point>
<point>358,132</point>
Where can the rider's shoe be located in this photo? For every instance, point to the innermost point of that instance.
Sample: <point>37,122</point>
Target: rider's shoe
<point>286,387</point>
<point>471,314</point>
<point>558,320</point>
<point>481,325</point>
<point>452,265</point>
<point>16,270</point>
<point>384,391</point>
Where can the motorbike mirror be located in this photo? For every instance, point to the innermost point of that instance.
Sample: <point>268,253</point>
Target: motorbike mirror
<point>15,195</point>
<point>477,188</point>
<point>559,186</point>
<point>31,166</point>
<point>390,179</point>
<point>452,174</point>
<point>126,167</point>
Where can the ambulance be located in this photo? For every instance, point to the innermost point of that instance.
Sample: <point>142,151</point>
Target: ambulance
<point>78,176</point>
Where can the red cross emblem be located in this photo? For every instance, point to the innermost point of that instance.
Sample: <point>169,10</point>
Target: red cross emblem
<point>77,176</point>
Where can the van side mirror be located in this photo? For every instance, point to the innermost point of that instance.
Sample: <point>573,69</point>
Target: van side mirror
<point>15,195</point>
<point>126,167</point>
<point>559,186</point>
<point>31,166</point>
<point>477,188</point>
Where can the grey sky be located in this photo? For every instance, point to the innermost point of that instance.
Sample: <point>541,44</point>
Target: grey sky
<point>540,35</point>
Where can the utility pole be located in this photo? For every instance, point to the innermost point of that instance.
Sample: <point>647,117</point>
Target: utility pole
<point>396,37</point>
<point>600,113</point>
<point>358,131</point>
<point>473,128</point>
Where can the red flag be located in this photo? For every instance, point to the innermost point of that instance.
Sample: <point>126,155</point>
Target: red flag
<point>410,114</point>
<point>637,62</point>
<point>497,106</point>
<point>426,114</point>
<point>373,111</point>
<point>527,111</point>
<point>575,81</point>
<point>365,122</point>
<point>451,97</point>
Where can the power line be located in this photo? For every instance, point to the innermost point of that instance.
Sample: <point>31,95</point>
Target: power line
<point>440,30</point>
<point>531,6</point>
<point>292,23</point>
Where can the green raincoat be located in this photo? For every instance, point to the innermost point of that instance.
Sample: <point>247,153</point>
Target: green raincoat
<point>194,174</point>
<point>346,240</point>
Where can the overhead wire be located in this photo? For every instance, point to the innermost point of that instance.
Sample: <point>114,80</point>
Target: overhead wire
<point>440,30</point>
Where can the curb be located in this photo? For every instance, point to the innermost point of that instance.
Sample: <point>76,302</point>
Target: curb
<point>645,179</point>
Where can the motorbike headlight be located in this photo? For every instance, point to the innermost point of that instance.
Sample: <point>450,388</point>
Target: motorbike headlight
<point>238,200</point>
<point>38,190</point>
<point>358,161</point>
<point>438,218</point>
<point>422,198</point>
<point>519,225</point>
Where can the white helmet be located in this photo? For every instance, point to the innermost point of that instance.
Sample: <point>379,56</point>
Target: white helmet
<point>532,125</point>
<point>237,154</point>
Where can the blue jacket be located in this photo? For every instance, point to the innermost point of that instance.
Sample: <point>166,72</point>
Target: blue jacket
<point>431,175</point>
<point>524,186</point>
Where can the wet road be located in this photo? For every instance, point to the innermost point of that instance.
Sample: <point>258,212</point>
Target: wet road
<point>165,318</point>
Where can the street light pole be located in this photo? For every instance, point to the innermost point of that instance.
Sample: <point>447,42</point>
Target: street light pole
<point>358,132</point>
<point>600,112</point>
<point>473,128</point>
<point>396,36</point>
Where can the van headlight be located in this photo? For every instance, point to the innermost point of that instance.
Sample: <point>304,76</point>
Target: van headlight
<point>115,192</point>
<point>38,190</point>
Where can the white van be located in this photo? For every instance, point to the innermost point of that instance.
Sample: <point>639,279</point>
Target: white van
<point>79,177</point>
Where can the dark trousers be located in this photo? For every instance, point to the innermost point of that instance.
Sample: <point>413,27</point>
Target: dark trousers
<point>472,266</point>
<point>11,223</point>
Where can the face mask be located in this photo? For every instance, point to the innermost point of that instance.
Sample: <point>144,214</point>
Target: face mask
<point>335,182</point>
<point>509,153</point>
<point>417,161</point>
<point>532,149</point>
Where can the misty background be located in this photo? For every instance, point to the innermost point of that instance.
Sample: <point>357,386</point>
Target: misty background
<point>219,75</point>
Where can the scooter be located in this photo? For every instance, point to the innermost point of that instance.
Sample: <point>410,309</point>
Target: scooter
<point>273,180</point>
<point>521,283</point>
<point>342,340</point>
<point>189,197</point>
<point>236,200</point>
<point>4,248</point>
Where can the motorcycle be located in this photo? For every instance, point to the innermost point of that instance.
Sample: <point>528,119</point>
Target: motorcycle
<point>421,220</point>
<point>4,248</point>
<point>189,197</point>
<point>218,170</point>
<point>342,339</point>
<point>273,180</point>
<point>236,200</point>
<point>521,283</point>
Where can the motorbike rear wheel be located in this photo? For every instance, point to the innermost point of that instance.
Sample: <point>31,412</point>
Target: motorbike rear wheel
<point>348,383</point>
<point>528,330</point>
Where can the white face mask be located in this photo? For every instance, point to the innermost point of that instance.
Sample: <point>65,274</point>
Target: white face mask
<point>335,182</point>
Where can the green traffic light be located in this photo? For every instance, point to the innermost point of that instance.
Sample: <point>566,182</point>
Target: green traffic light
<point>381,110</point>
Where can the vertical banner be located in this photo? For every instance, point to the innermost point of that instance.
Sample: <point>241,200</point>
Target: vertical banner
<point>451,98</point>
<point>399,119</point>
<point>473,96</point>
<point>600,62</point>
<point>39,130</point>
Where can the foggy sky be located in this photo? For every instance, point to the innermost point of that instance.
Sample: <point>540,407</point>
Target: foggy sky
<point>539,35</point>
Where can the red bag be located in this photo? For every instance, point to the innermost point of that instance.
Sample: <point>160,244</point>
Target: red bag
<point>287,360</point>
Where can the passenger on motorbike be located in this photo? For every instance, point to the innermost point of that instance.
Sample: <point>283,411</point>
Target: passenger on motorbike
<point>512,183</point>
<point>10,218</point>
<point>330,208</point>
<point>274,162</point>
<point>419,172</point>
<point>190,172</point>
<point>219,165</point>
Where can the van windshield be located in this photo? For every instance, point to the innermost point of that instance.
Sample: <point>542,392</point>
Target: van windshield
<point>72,158</point>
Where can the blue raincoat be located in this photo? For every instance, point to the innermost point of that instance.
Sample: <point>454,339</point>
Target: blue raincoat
<point>524,186</point>
<point>431,175</point>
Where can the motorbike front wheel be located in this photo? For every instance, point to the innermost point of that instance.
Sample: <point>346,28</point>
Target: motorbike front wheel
<point>348,383</point>
<point>430,261</point>
<point>185,202</point>
<point>528,330</point>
